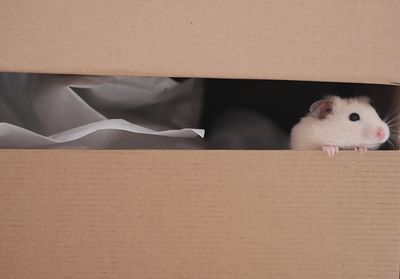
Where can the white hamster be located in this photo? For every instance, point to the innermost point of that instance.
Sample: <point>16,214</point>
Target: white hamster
<point>334,123</point>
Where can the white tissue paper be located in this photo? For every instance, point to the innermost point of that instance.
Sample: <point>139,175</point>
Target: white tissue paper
<point>59,111</point>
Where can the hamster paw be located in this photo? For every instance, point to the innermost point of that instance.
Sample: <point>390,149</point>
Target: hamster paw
<point>330,150</point>
<point>361,149</point>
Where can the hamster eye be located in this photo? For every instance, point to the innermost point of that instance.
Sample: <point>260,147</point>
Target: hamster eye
<point>354,117</point>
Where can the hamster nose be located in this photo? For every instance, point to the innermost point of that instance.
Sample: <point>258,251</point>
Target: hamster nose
<point>380,133</point>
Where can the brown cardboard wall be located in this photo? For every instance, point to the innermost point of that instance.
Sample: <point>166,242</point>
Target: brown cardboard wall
<point>199,214</point>
<point>354,41</point>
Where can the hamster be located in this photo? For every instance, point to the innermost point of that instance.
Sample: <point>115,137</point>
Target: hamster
<point>334,123</point>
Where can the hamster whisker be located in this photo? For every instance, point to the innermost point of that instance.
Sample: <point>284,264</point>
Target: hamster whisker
<point>396,145</point>
<point>391,115</point>
<point>394,133</point>
<point>389,144</point>
<point>394,136</point>
<point>394,119</point>
<point>392,144</point>
<point>391,112</point>
<point>393,124</point>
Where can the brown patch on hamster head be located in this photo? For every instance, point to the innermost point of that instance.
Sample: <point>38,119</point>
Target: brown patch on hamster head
<point>331,104</point>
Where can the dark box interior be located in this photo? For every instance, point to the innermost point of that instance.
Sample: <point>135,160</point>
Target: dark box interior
<point>259,114</point>
<point>285,102</point>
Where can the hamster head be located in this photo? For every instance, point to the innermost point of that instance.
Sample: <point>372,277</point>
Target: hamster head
<point>354,120</point>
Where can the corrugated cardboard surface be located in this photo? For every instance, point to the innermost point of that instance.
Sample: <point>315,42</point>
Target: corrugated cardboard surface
<point>355,41</point>
<point>199,214</point>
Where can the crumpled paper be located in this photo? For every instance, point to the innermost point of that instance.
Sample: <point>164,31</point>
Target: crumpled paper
<point>68,111</point>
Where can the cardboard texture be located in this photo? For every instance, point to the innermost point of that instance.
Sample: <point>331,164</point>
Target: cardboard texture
<point>354,41</point>
<point>199,214</point>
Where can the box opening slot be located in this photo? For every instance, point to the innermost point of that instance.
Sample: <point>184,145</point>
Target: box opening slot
<point>53,111</point>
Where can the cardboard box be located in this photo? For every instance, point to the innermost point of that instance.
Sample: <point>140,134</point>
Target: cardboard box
<point>201,214</point>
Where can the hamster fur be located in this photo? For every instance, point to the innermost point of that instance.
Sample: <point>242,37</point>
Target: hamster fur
<point>334,123</point>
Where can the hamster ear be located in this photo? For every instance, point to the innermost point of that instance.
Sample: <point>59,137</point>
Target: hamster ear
<point>320,109</point>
